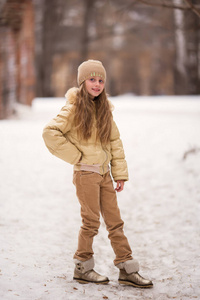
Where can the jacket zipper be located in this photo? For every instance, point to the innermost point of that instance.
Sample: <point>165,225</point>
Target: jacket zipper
<point>105,160</point>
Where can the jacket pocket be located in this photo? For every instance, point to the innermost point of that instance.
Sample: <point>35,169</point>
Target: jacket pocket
<point>86,173</point>
<point>88,178</point>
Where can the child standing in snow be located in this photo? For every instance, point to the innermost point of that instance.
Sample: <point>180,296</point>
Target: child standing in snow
<point>85,135</point>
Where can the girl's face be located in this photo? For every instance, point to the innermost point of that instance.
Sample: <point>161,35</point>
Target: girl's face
<point>94,86</point>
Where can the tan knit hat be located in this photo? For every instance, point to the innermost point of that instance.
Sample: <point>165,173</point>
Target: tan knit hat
<point>90,68</point>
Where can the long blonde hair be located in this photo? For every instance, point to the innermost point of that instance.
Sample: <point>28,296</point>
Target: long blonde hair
<point>85,114</point>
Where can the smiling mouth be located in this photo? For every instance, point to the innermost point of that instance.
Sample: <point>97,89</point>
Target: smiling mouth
<point>96,90</point>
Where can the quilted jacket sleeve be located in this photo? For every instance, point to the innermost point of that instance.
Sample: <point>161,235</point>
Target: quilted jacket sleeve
<point>119,168</point>
<point>55,137</point>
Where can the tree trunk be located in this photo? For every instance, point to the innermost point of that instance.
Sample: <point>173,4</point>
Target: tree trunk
<point>193,43</point>
<point>181,84</point>
<point>51,35</point>
<point>88,9</point>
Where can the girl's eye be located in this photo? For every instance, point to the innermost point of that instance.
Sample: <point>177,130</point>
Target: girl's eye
<point>101,81</point>
<point>91,79</point>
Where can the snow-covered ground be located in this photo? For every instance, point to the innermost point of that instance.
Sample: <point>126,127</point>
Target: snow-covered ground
<point>39,212</point>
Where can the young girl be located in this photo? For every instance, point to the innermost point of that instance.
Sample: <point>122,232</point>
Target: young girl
<point>85,135</point>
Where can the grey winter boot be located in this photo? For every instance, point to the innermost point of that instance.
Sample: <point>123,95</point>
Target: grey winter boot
<point>84,273</point>
<point>129,275</point>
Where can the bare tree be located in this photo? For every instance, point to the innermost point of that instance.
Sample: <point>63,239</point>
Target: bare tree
<point>50,36</point>
<point>181,82</point>
<point>87,16</point>
<point>186,5</point>
<point>140,44</point>
<point>187,41</point>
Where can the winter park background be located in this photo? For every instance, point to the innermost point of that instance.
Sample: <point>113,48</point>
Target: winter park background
<point>150,49</point>
<point>39,212</point>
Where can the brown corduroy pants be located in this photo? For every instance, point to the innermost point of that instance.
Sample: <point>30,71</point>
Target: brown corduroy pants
<point>96,194</point>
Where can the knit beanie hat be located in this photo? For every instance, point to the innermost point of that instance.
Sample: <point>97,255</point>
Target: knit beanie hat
<point>90,68</point>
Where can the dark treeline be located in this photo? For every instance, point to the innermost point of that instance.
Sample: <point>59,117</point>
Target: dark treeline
<point>147,50</point>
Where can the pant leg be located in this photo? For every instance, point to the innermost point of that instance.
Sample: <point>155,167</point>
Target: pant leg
<point>88,192</point>
<point>114,224</point>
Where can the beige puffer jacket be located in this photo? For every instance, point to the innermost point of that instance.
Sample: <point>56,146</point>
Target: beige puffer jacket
<point>61,139</point>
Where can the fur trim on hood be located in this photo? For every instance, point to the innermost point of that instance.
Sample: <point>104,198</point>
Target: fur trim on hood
<point>71,97</point>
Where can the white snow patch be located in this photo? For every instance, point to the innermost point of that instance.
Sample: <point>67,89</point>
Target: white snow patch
<point>39,212</point>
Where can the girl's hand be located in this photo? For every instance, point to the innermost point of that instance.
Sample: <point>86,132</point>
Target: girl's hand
<point>120,185</point>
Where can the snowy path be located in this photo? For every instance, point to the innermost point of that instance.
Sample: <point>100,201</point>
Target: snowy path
<point>39,212</point>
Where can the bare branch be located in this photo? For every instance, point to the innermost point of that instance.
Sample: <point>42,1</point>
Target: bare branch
<point>193,8</point>
<point>189,6</point>
<point>166,5</point>
<point>193,150</point>
<point>126,6</point>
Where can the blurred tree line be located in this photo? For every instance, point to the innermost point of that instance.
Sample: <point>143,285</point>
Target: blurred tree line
<point>148,47</point>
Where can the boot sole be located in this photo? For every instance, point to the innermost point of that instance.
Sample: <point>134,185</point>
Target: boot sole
<point>83,281</point>
<point>126,282</point>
